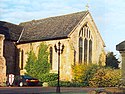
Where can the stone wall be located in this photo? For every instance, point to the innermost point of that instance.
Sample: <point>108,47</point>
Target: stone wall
<point>11,55</point>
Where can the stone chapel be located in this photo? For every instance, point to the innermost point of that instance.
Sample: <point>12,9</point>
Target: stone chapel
<point>78,33</point>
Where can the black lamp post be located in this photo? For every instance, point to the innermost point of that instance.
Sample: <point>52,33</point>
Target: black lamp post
<point>59,50</point>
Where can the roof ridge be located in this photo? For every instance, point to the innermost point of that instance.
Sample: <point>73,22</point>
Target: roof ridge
<point>10,23</point>
<point>51,17</point>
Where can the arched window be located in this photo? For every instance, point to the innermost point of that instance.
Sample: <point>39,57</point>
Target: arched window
<point>81,32</point>
<point>85,41</point>
<point>90,51</point>
<point>85,50</point>
<point>51,56</point>
<point>21,59</point>
<point>80,49</point>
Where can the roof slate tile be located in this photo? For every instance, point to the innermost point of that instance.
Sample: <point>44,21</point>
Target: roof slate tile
<point>51,28</point>
<point>43,29</point>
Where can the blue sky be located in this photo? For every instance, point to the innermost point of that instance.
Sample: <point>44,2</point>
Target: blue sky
<point>109,15</point>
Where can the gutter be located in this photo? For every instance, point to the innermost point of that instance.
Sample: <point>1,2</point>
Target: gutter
<point>31,41</point>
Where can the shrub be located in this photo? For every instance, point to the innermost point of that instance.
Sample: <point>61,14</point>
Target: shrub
<point>48,77</point>
<point>83,73</point>
<point>53,83</point>
<point>105,77</point>
<point>66,84</point>
<point>77,84</point>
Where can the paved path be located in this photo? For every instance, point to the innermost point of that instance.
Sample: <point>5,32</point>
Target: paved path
<point>52,90</point>
<point>44,90</point>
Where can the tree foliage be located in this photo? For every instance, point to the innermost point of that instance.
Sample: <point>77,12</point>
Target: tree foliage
<point>36,66</point>
<point>31,60</point>
<point>111,60</point>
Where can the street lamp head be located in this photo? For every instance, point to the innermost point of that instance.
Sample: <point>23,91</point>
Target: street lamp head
<point>55,48</point>
<point>62,48</point>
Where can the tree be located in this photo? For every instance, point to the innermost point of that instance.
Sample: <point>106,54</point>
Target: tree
<point>42,65</point>
<point>111,60</point>
<point>31,60</point>
<point>37,66</point>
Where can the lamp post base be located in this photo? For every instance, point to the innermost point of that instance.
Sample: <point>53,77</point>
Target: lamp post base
<point>58,89</point>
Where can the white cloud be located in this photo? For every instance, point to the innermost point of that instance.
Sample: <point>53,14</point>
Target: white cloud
<point>108,14</point>
<point>32,9</point>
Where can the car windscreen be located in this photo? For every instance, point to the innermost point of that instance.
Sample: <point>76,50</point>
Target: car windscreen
<point>27,77</point>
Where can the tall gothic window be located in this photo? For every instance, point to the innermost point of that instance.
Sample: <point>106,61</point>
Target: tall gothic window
<point>51,56</point>
<point>80,49</point>
<point>85,50</point>
<point>85,41</point>
<point>90,51</point>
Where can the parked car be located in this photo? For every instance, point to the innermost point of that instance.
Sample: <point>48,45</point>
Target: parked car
<point>24,80</point>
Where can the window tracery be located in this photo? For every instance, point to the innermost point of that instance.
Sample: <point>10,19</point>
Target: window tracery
<point>85,45</point>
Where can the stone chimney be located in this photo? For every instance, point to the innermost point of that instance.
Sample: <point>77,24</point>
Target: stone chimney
<point>2,61</point>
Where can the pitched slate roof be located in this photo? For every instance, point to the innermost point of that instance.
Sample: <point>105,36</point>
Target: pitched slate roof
<point>10,31</point>
<point>58,27</point>
<point>50,28</point>
<point>121,46</point>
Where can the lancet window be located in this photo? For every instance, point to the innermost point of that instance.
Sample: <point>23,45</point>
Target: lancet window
<point>85,45</point>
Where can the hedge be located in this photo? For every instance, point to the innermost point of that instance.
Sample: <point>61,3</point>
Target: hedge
<point>106,77</point>
<point>66,84</point>
<point>48,77</point>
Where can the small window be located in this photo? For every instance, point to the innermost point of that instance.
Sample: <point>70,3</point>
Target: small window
<point>74,57</point>
<point>51,56</point>
<point>81,33</point>
<point>22,53</point>
<point>80,49</point>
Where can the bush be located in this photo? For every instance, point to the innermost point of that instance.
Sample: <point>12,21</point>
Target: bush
<point>53,83</point>
<point>83,73</point>
<point>48,77</point>
<point>65,84</point>
<point>76,84</point>
<point>105,77</point>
